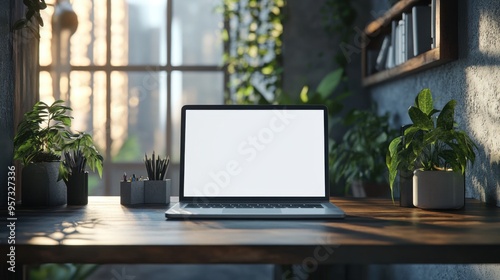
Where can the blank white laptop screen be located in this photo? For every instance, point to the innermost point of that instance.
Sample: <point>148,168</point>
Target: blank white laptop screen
<point>254,153</point>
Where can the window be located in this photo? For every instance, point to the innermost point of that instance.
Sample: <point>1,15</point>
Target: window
<point>127,71</point>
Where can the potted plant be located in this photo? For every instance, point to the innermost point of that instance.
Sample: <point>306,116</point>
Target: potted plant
<point>359,159</point>
<point>436,150</point>
<point>38,144</point>
<point>79,151</point>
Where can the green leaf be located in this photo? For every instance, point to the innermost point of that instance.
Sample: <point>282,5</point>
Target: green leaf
<point>424,101</point>
<point>19,24</point>
<point>394,147</point>
<point>29,14</point>
<point>450,158</point>
<point>39,18</point>
<point>329,83</point>
<point>381,138</point>
<point>393,172</point>
<point>303,94</point>
<point>445,119</point>
<point>42,5</point>
<point>420,119</point>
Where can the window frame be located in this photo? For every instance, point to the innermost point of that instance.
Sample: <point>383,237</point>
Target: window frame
<point>110,183</point>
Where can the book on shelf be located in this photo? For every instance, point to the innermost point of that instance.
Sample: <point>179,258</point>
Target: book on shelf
<point>390,58</point>
<point>383,53</point>
<point>433,24</point>
<point>408,23</point>
<point>422,40</point>
<point>402,42</point>
<point>392,52</point>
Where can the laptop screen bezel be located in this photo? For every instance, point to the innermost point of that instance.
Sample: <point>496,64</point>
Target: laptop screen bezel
<point>199,199</point>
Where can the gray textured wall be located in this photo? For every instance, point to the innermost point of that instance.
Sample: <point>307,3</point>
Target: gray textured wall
<point>473,80</point>
<point>6,98</point>
<point>307,54</point>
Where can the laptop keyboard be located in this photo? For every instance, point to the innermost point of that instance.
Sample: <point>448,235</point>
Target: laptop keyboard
<point>254,205</point>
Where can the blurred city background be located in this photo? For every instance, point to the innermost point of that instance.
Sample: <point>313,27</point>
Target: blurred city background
<point>127,71</point>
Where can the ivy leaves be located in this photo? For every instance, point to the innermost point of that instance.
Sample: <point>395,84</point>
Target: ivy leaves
<point>253,55</point>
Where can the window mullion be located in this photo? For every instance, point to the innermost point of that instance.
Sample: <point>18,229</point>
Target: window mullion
<point>168,123</point>
<point>108,184</point>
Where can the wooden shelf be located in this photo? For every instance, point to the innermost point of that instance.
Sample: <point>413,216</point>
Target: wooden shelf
<point>445,44</point>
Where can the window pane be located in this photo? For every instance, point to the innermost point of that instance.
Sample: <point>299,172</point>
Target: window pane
<point>87,98</point>
<point>196,29</point>
<point>138,32</point>
<point>46,92</point>
<point>46,34</point>
<point>138,115</point>
<point>88,44</point>
<point>192,88</point>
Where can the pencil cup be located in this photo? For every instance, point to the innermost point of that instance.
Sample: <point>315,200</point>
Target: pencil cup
<point>132,192</point>
<point>157,191</point>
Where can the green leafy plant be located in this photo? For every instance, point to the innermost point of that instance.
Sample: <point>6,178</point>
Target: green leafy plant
<point>430,142</point>
<point>42,133</point>
<point>33,8</point>
<point>360,155</point>
<point>253,41</point>
<point>80,151</point>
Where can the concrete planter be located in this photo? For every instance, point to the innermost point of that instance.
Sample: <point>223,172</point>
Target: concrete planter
<point>438,190</point>
<point>40,187</point>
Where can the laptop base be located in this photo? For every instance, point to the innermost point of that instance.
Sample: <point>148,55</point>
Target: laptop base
<point>327,211</point>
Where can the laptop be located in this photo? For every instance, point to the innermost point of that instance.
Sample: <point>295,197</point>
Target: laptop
<point>254,161</point>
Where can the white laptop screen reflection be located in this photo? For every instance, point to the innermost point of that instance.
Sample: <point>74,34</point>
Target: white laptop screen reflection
<point>254,153</point>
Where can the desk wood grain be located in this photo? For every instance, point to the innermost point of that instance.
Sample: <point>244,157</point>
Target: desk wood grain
<point>374,231</point>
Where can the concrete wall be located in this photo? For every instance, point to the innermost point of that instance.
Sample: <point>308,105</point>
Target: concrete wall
<point>473,80</point>
<point>6,99</point>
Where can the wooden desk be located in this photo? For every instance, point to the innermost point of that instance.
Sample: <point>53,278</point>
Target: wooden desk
<point>374,231</point>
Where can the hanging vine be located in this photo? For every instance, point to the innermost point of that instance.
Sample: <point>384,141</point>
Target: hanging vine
<point>253,38</point>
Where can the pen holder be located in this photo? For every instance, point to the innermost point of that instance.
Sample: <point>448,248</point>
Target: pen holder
<point>132,192</point>
<point>78,188</point>
<point>157,191</point>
